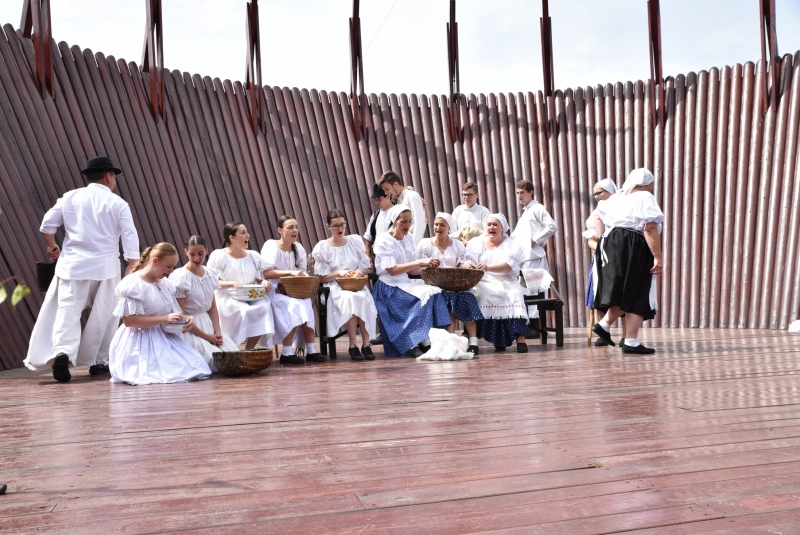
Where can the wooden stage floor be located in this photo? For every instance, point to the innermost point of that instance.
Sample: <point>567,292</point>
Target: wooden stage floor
<point>703,437</point>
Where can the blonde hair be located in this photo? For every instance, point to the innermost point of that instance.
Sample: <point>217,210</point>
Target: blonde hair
<point>160,250</point>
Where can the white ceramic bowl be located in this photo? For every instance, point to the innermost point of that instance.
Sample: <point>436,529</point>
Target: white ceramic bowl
<point>173,328</point>
<point>248,292</point>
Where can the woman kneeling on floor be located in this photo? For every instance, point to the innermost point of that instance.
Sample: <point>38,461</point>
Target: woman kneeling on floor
<point>499,292</point>
<point>346,256</point>
<point>407,308</point>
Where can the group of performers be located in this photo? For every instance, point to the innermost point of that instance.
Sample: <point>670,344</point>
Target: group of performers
<point>399,310</point>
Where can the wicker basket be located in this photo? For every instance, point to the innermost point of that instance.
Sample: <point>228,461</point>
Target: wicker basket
<point>452,279</point>
<point>242,362</point>
<point>298,287</point>
<point>352,284</point>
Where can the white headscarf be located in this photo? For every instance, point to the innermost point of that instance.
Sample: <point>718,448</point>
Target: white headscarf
<point>637,177</point>
<point>396,210</point>
<point>450,223</point>
<point>501,219</point>
<point>607,184</point>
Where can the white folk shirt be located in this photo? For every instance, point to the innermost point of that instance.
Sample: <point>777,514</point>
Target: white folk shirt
<point>381,225</point>
<point>94,220</point>
<point>633,211</point>
<point>474,217</point>
<point>420,222</point>
<point>534,228</point>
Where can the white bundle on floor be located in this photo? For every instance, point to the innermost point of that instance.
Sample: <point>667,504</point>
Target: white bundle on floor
<point>794,327</point>
<point>446,346</point>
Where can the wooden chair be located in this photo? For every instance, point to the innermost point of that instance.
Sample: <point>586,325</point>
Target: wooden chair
<point>544,304</point>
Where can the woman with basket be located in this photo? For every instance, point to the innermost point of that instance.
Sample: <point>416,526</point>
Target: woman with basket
<point>408,309</point>
<point>285,257</point>
<point>345,257</point>
<point>499,292</point>
<point>248,322</point>
<point>452,253</point>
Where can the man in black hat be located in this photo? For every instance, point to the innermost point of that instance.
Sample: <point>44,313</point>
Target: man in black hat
<point>88,271</point>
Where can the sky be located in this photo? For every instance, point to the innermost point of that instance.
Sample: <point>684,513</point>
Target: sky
<point>305,43</point>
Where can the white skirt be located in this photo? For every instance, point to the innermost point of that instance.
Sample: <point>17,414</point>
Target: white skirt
<point>290,313</point>
<point>151,356</point>
<point>343,305</point>
<point>241,320</point>
<point>206,349</point>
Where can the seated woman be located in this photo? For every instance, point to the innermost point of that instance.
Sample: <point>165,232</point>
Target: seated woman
<point>452,253</point>
<point>346,256</point>
<point>194,290</point>
<point>141,352</point>
<point>407,308</point>
<point>286,257</point>
<point>243,321</point>
<point>499,292</point>
<point>631,258</point>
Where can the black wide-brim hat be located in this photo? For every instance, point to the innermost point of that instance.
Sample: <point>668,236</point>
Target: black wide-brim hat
<point>377,192</point>
<point>100,164</point>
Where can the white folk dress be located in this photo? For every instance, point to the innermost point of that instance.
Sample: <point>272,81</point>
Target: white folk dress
<point>241,320</point>
<point>142,356</point>
<point>287,311</point>
<point>199,295</point>
<point>452,256</point>
<point>344,304</point>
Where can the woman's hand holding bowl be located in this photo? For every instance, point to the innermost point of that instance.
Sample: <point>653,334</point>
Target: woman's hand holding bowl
<point>174,317</point>
<point>189,323</point>
<point>266,284</point>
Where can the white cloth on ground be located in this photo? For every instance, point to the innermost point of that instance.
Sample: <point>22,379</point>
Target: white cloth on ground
<point>534,228</point>
<point>454,255</point>
<point>447,346</point>
<point>58,326</point>
<point>413,200</point>
<point>288,312</point>
<point>241,320</point>
<point>141,356</point>
<point>389,252</point>
<point>499,295</point>
<point>198,293</point>
<point>343,304</point>
<point>94,220</point>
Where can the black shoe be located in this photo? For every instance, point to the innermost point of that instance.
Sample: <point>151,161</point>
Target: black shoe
<point>99,369</point>
<point>499,349</point>
<point>3,489</point>
<point>377,341</point>
<point>533,333</point>
<point>600,343</point>
<point>602,333</point>
<point>367,352</point>
<point>465,334</point>
<point>638,350</point>
<point>621,343</point>
<point>424,348</point>
<point>61,368</point>
<point>473,349</point>
<point>522,347</point>
<point>355,354</point>
<point>315,357</point>
<point>414,352</point>
<point>291,359</point>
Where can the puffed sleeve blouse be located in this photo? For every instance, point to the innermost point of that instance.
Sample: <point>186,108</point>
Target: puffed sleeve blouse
<point>198,291</point>
<point>390,252</point>
<point>454,255</point>
<point>246,270</point>
<point>508,252</point>
<point>633,211</point>
<point>136,297</point>
<point>350,256</point>
<point>276,258</point>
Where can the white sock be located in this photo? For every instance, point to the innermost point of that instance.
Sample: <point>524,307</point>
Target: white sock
<point>473,340</point>
<point>605,325</point>
<point>426,342</point>
<point>631,342</point>
<point>310,348</point>
<point>287,350</point>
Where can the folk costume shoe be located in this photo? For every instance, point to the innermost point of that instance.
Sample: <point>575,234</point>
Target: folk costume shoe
<point>367,352</point>
<point>315,357</point>
<point>291,360</point>
<point>355,354</point>
<point>61,368</point>
<point>522,347</point>
<point>603,334</point>
<point>99,369</point>
<point>473,349</point>
<point>637,350</point>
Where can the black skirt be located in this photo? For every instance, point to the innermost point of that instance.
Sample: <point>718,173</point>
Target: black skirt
<point>625,279</point>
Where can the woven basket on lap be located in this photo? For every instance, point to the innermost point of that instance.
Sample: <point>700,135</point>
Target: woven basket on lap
<point>352,284</point>
<point>242,362</point>
<point>298,287</point>
<point>452,279</point>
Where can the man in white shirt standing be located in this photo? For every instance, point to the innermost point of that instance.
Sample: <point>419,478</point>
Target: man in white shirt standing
<point>534,228</point>
<point>88,271</point>
<point>392,185</point>
<point>379,222</point>
<point>470,216</point>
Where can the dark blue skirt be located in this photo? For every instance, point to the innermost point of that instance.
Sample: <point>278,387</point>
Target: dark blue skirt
<point>502,332</point>
<point>404,321</point>
<point>463,306</point>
